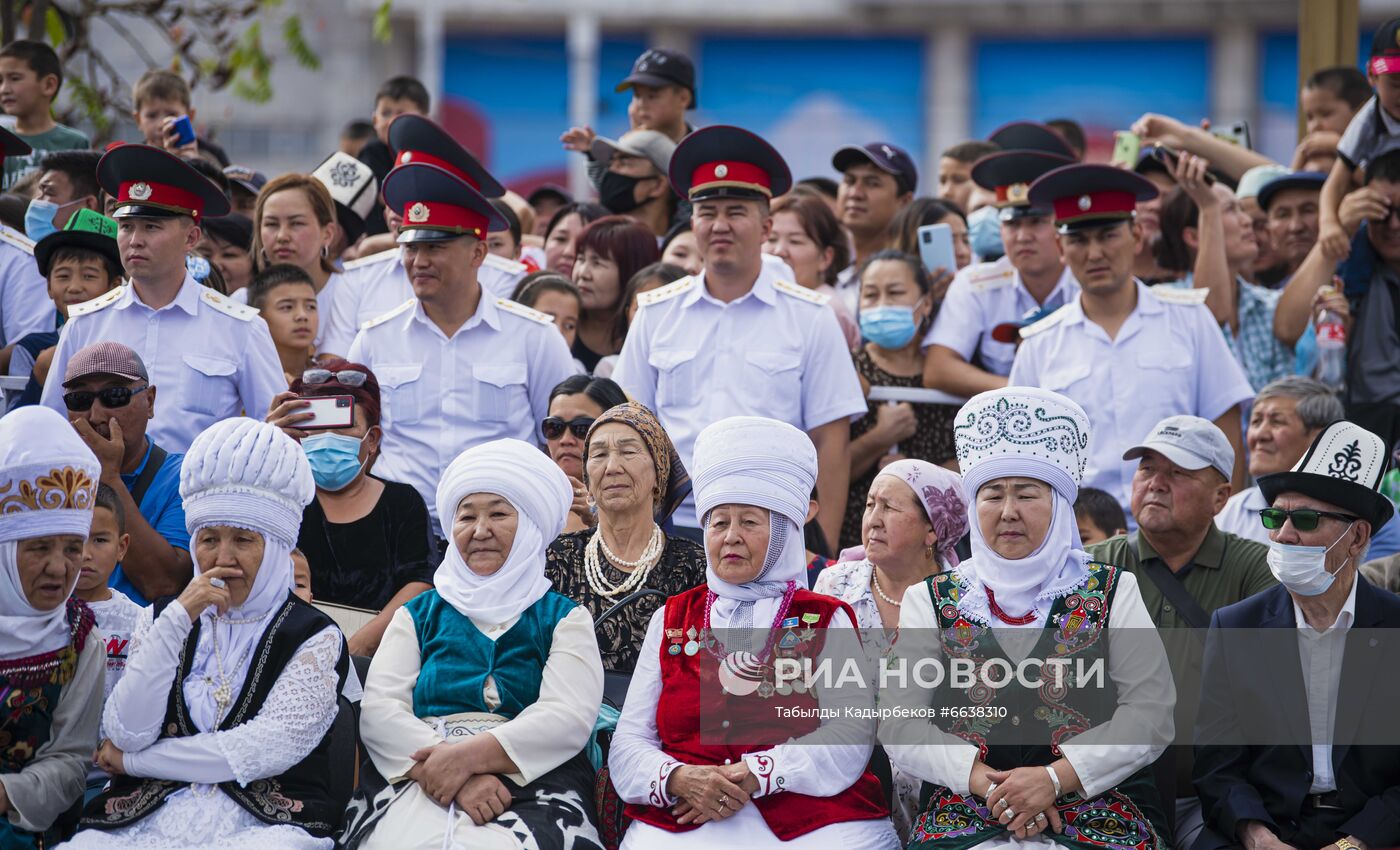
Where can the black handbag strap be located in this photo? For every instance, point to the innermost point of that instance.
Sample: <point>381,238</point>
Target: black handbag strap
<point>1176,593</point>
<point>148,473</point>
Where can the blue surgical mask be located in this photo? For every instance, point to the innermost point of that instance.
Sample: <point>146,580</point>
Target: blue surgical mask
<point>334,459</point>
<point>984,233</point>
<point>38,219</point>
<point>890,326</point>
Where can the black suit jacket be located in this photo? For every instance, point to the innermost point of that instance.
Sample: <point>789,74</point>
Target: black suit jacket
<point>1253,745</point>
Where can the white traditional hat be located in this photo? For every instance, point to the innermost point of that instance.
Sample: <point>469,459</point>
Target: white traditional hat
<point>750,460</point>
<point>352,187</point>
<point>1022,431</point>
<point>48,476</point>
<point>247,474</point>
<point>1343,466</point>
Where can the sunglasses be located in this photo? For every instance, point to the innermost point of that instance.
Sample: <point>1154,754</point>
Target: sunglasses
<point>1304,519</point>
<point>345,377</point>
<point>553,427</point>
<point>80,400</point>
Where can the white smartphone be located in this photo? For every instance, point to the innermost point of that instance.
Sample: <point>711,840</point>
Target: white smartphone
<point>936,248</point>
<point>330,411</point>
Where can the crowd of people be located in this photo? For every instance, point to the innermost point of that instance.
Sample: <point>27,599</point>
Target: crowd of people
<point>380,506</point>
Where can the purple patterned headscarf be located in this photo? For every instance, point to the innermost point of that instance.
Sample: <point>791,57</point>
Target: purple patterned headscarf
<point>940,491</point>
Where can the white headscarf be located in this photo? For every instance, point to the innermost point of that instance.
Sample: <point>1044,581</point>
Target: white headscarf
<point>48,481</point>
<point>245,474</point>
<point>540,493</point>
<point>749,460</point>
<point>1023,432</point>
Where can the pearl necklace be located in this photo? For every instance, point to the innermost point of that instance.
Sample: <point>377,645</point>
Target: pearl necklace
<point>875,582</point>
<point>597,549</point>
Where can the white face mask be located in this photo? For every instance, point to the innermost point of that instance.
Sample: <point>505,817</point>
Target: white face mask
<point>1303,569</point>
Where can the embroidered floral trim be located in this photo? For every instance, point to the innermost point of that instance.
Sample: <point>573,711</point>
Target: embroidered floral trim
<point>1109,821</point>
<point>763,767</point>
<point>51,668</point>
<point>68,488</point>
<point>656,793</point>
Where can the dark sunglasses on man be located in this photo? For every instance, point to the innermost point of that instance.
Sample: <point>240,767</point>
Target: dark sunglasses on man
<point>1304,519</point>
<point>345,377</point>
<point>81,400</point>
<point>553,427</point>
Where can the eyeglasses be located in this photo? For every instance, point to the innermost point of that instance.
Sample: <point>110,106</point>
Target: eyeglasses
<point>80,400</point>
<point>553,427</point>
<point>1304,519</point>
<point>345,377</point>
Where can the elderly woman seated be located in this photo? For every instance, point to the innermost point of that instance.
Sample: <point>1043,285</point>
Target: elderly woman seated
<point>220,728</point>
<point>691,781</point>
<point>1042,757</point>
<point>51,660</point>
<point>484,691</point>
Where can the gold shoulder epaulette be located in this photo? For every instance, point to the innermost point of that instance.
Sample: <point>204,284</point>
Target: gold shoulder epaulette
<point>228,306</point>
<point>666,293</point>
<point>384,317</point>
<point>509,306</point>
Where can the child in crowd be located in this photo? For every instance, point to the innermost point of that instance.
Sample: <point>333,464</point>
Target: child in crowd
<point>955,170</point>
<point>505,243</point>
<point>159,99</point>
<point>1099,516</point>
<point>1330,98</point>
<point>1367,133</point>
<point>80,262</point>
<point>301,572</point>
<point>555,295</point>
<point>286,298</point>
<point>30,77</point>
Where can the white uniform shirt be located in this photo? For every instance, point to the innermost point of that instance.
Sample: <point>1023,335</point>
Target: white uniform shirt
<point>374,285</point>
<point>1240,516</point>
<point>491,379</point>
<point>777,351</point>
<point>208,357</point>
<point>1169,358</point>
<point>1321,654</point>
<point>25,305</point>
<point>981,297</point>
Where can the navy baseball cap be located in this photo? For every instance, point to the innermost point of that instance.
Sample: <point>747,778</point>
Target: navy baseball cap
<point>891,159</point>
<point>1385,49</point>
<point>1297,180</point>
<point>659,67</point>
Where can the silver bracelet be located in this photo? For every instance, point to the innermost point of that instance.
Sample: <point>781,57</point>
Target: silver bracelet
<point>1055,779</point>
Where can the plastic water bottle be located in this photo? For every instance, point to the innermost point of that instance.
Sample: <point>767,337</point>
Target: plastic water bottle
<point>1331,348</point>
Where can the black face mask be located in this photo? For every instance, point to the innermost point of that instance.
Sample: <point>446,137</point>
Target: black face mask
<point>618,192</point>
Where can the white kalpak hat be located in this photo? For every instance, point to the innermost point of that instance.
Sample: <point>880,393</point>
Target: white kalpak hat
<point>247,474</point>
<point>48,476</point>
<point>1022,431</point>
<point>1344,466</point>
<point>750,460</point>
<point>352,187</point>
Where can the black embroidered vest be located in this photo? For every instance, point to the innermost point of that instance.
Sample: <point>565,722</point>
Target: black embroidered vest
<point>300,797</point>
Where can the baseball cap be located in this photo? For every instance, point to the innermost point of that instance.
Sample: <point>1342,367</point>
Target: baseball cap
<point>1254,179</point>
<point>889,158</point>
<point>246,178</point>
<point>1385,49</point>
<point>662,67</point>
<point>650,145</point>
<point>1190,442</point>
<point>105,358</point>
<point>1292,180</point>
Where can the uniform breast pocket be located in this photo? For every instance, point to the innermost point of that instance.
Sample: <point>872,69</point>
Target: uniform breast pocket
<point>1066,378</point>
<point>403,396</point>
<point>776,381</point>
<point>208,384</point>
<point>1169,373</point>
<point>500,390</point>
<point>675,377</point>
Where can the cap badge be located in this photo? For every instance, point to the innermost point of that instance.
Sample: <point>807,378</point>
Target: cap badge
<point>721,171</point>
<point>406,156</point>
<point>418,213</point>
<point>1085,202</point>
<point>1017,193</point>
<point>140,192</point>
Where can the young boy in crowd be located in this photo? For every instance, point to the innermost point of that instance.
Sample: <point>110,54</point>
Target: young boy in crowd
<point>1099,516</point>
<point>505,243</point>
<point>286,298</point>
<point>30,77</point>
<point>1329,99</point>
<point>1369,130</point>
<point>955,170</point>
<point>159,99</point>
<point>80,262</point>
<point>398,96</point>
<point>301,572</point>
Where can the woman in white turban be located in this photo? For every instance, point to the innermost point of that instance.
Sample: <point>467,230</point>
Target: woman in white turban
<point>1042,756</point>
<point>484,691</point>
<point>220,728</point>
<point>51,660</point>
<point>704,753</point>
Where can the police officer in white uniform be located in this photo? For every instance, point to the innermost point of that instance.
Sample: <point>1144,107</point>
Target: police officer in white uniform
<point>25,306</point>
<point>1129,355</point>
<point>373,285</point>
<point>456,365</point>
<point>211,358</point>
<point>973,338</point>
<point>736,339</point>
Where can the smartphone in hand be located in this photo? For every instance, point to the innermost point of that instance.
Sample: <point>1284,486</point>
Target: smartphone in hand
<point>184,131</point>
<point>936,248</point>
<point>1127,146</point>
<point>329,411</point>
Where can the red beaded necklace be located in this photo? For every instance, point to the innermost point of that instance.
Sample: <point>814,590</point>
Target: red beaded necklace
<point>773,630</point>
<point>1022,620</point>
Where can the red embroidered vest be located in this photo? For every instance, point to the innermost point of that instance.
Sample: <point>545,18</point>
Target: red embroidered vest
<point>695,715</point>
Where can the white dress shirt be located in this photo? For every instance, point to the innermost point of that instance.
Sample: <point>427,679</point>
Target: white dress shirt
<point>372,286</point>
<point>1169,358</point>
<point>1240,516</point>
<point>1321,654</point>
<point>440,395</point>
<point>209,357</point>
<point>981,297</point>
<point>776,351</point>
<point>25,305</point>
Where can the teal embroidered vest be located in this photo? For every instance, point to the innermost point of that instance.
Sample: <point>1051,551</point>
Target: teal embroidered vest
<point>1034,723</point>
<point>457,657</point>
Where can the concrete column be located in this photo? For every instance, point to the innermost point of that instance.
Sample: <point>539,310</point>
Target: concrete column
<point>582,40</point>
<point>431,34</point>
<point>947,97</point>
<point>1234,75</point>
